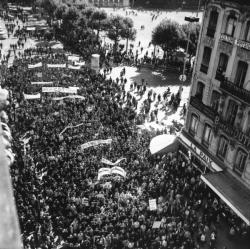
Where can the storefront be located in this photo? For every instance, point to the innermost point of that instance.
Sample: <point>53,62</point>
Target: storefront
<point>227,187</point>
<point>200,159</point>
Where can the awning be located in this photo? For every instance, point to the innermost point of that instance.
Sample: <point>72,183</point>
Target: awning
<point>163,144</point>
<point>231,191</point>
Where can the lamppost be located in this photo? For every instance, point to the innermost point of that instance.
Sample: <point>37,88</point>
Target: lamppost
<point>183,76</point>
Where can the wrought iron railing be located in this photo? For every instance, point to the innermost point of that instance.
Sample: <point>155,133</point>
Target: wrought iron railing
<point>235,90</point>
<point>206,110</point>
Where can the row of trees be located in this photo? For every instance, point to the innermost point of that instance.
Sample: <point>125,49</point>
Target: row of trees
<point>77,26</point>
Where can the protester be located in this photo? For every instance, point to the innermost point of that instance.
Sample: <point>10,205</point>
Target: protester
<point>59,199</point>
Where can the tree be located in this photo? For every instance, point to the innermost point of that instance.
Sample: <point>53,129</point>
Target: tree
<point>194,29</point>
<point>167,35</point>
<point>97,17</point>
<point>60,11</point>
<point>119,29</point>
<point>129,34</point>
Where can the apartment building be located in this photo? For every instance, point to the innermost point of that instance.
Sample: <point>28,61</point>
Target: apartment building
<point>216,136</point>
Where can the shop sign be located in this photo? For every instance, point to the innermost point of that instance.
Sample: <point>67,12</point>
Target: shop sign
<point>203,156</point>
<point>200,154</point>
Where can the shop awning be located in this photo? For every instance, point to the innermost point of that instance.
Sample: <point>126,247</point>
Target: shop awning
<point>163,144</point>
<point>231,191</point>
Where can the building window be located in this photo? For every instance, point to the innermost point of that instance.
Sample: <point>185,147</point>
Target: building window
<point>240,161</point>
<point>247,32</point>
<point>205,59</point>
<point>194,124</point>
<point>222,148</point>
<point>231,112</point>
<point>231,25</point>
<point>200,90</point>
<point>241,73</point>
<point>207,135</point>
<point>212,23</point>
<point>215,100</point>
<point>222,66</point>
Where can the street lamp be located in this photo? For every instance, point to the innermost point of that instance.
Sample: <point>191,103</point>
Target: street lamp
<point>183,76</point>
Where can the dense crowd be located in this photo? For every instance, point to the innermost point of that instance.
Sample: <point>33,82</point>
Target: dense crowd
<point>59,199</point>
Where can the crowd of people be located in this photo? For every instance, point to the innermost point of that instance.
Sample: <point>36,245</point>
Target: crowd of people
<point>60,201</point>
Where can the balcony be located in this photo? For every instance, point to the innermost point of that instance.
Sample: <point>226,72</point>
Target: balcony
<point>227,38</point>
<point>241,93</point>
<point>206,110</point>
<point>235,134</point>
<point>243,44</point>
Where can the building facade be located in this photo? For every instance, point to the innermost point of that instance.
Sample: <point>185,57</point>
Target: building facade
<point>217,127</point>
<point>103,3</point>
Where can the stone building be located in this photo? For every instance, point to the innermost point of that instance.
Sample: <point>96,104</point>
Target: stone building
<point>216,136</point>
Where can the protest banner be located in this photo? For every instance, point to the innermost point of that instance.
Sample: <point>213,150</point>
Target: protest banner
<point>156,224</point>
<point>106,161</point>
<point>31,66</point>
<point>74,67</point>
<point>42,83</point>
<point>73,58</point>
<point>103,172</point>
<point>69,97</point>
<point>69,127</point>
<point>56,65</point>
<point>95,143</point>
<point>58,90</point>
<point>82,63</point>
<point>32,96</point>
<point>118,170</point>
<point>152,205</point>
<point>109,171</point>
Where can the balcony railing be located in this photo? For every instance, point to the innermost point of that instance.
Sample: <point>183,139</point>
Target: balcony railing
<point>227,38</point>
<point>243,44</point>
<point>235,90</point>
<point>235,134</point>
<point>206,110</point>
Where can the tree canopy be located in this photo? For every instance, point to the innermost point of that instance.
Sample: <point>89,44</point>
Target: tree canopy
<point>120,28</point>
<point>167,35</point>
<point>194,29</point>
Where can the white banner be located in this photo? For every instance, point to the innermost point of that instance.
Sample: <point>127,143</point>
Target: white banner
<point>32,96</point>
<point>30,66</point>
<point>152,205</point>
<point>109,171</point>
<point>42,83</point>
<point>69,97</point>
<point>103,172</point>
<point>82,63</point>
<point>95,143</point>
<point>58,90</point>
<point>73,58</point>
<point>56,65</point>
<point>71,126</point>
<point>118,170</point>
<point>106,161</point>
<point>74,67</point>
